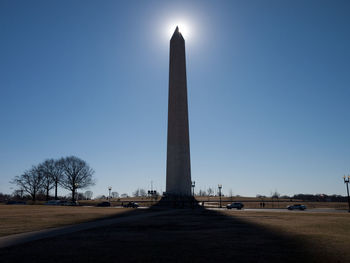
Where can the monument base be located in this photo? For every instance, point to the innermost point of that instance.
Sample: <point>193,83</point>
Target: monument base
<point>177,201</point>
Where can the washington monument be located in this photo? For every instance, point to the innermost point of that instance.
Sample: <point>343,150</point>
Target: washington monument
<point>178,170</point>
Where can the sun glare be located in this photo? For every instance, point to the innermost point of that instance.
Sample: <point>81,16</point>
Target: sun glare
<point>184,29</point>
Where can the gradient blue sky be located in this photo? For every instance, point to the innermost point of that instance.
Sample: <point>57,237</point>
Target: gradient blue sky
<point>268,85</point>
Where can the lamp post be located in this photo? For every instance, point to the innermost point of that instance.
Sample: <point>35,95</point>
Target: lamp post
<point>220,186</point>
<point>346,181</point>
<point>193,184</point>
<point>109,193</point>
<point>153,194</point>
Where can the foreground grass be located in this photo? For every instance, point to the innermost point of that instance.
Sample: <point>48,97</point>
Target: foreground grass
<point>326,233</point>
<point>19,219</point>
<point>184,236</point>
<point>200,235</point>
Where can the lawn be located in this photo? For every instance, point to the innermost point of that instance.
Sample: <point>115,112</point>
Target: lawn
<point>24,218</point>
<point>200,235</point>
<point>326,233</point>
<point>249,202</point>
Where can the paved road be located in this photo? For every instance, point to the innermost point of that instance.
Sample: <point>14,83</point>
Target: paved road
<point>314,210</point>
<point>17,239</point>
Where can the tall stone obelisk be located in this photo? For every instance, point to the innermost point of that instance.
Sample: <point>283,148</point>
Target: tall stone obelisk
<point>178,170</point>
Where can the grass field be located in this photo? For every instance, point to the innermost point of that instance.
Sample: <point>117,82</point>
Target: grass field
<point>188,236</point>
<point>328,234</point>
<point>249,202</point>
<point>19,219</point>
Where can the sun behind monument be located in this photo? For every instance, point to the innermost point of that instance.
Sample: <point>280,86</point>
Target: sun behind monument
<point>184,28</point>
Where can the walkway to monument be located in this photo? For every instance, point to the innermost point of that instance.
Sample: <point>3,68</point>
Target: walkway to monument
<point>21,238</point>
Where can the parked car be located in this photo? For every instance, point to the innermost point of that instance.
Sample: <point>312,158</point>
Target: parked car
<point>131,204</point>
<point>53,202</point>
<point>104,204</point>
<point>296,206</point>
<point>70,203</point>
<point>16,202</point>
<point>235,205</point>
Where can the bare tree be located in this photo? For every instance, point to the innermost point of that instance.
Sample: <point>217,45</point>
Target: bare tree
<point>17,194</point>
<point>77,174</point>
<point>47,168</point>
<point>143,192</point>
<point>136,193</point>
<point>275,194</point>
<point>115,194</point>
<point>231,194</point>
<point>53,173</point>
<point>57,174</point>
<point>80,196</point>
<point>4,197</point>
<point>139,192</point>
<point>124,195</point>
<point>210,191</point>
<point>202,193</point>
<point>88,195</point>
<point>31,181</point>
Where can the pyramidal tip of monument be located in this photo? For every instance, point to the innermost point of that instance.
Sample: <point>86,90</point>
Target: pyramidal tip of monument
<point>177,33</point>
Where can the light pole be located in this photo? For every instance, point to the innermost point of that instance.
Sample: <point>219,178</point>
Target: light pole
<point>109,194</point>
<point>220,186</point>
<point>346,181</point>
<point>153,195</point>
<point>193,184</point>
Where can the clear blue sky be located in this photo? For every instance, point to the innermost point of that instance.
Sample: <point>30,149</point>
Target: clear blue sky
<point>268,85</point>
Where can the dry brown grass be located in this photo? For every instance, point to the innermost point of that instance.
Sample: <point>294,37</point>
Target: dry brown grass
<point>327,233</point>
<point>249,202</point>
<point>253,202</point>
<point>200,235</point>
<point>19,219</point>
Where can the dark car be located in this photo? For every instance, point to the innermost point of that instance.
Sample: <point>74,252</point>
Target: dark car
<point>16,202</point>
<point>131,204</point>
<point>53,202</point>
<point>235,205</point>
<point>70,203</point>
<point>296,206</point>
<point>104,204</point>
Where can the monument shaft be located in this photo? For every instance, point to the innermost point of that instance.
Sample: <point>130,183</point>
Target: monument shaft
<point>178,171</point>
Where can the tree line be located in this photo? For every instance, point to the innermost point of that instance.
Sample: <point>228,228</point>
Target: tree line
<point>71,173</point>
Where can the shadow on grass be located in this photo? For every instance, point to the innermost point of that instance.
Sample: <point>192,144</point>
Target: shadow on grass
<point>182,235</point>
